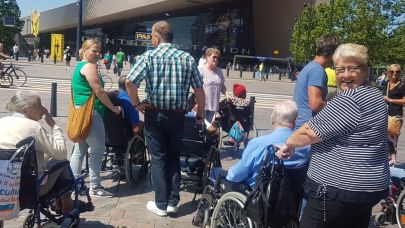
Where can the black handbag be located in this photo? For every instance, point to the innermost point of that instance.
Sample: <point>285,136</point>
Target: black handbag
<point>272,198</point>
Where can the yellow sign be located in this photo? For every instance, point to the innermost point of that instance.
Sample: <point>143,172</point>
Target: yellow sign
<point>140,36</point>
<point>276,52</point>
<point>35,23</point>
<point>57,44</point>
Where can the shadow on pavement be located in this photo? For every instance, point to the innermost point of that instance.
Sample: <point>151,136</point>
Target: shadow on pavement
<point>186,209</point>
<point>92,223</point>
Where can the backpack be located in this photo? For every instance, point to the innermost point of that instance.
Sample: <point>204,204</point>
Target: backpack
<point>237,132</point>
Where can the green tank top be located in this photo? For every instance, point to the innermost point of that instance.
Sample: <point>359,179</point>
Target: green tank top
<point>82,89</point>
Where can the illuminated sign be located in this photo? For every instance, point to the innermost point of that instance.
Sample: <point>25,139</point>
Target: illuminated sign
<point>142,36</point>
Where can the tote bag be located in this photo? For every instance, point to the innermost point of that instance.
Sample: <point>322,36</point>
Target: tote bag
<point>272,197</point>
<point>80,120</point>
<point>10,177</point>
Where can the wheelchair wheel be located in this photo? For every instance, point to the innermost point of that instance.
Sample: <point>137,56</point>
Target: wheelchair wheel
<point>29,221</point>
<point>400,211</point>
<point>204,208</point>
<point>135,161</point>
<point>229,212</point>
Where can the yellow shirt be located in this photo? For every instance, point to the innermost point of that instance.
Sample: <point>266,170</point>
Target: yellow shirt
<point>331,77</point>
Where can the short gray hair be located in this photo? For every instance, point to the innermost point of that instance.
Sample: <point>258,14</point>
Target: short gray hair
<point>21,100</point>
<point>284,113</point>
<point>164,30</point>
<point>351,51</point>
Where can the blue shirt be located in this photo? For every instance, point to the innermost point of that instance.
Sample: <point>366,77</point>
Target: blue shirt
<point>312,74</point>
<point>131,115</point>
<point>247,169</point>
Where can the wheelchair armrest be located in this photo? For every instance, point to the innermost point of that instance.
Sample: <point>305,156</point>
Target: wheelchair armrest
<point>57,165</point>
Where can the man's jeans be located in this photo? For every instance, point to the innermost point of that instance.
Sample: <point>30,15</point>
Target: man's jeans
<point>163,134</point>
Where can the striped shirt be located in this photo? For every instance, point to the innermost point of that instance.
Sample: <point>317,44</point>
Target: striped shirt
<point>353,153</point>
<point>168,74</point>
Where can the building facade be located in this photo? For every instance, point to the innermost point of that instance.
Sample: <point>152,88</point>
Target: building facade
<point>235,27</point>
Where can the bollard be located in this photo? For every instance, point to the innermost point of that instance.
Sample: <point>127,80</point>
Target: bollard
<point>252,110</point>
<point>254,72</point>
<point>53,100</point>
<point>240,74</point>
<point>227,72</point>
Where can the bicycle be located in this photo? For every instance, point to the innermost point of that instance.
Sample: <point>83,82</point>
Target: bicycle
<point>16,76</point>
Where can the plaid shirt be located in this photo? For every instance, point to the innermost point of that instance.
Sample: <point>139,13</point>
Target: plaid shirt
<point>168,74</point>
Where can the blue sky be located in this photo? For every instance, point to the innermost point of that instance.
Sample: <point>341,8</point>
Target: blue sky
<point>40,5</point>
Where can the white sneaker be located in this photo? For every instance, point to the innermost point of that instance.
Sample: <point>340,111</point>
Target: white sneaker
<point>100,192</point>
<point>151,206</point>
<point>172,209</point>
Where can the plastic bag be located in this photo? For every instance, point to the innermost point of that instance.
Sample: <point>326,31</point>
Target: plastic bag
<point>10,177</point>
<point>237,132</point>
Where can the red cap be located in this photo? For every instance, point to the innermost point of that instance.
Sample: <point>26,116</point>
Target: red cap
<point>238,89</point>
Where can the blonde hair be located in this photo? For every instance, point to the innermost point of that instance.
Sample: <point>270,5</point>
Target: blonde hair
<point>353,51</point>
<point>394,66</point>
<point>211,51</point>
<point>284,113</point>
<point>86,45</point>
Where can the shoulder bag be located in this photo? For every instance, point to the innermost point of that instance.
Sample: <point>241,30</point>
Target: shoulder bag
<point>80,120</point>
<point>272,198</point>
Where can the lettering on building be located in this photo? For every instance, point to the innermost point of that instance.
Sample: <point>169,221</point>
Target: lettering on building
<point>186,47</point>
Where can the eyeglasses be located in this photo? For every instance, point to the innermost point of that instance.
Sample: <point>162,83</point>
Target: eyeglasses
<point>350,69</point>
<point>395,71</point>
<point>215,57</point>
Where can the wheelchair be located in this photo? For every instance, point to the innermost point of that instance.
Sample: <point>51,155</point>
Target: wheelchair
<point>230,113</point>
<point>198,156</point>
<point>30,187</point>
<point>393,206</point>
<point>221,205</point>
<point>123,147</point>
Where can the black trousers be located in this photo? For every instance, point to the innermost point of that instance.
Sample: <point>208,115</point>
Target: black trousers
<point>338,214</point>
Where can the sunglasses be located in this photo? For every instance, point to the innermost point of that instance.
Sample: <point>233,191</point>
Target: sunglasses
<point>395,71</point>
<point>215,57</point>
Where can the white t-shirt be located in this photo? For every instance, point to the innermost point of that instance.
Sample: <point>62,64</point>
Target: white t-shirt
<point>16,49</point>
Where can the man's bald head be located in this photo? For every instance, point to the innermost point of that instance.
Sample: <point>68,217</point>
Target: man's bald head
<point>164,31</point>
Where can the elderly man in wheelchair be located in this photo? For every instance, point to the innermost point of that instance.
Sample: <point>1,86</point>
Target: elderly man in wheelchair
<point>46,178</point>
<point>227,190</point>
<point>125,147</point>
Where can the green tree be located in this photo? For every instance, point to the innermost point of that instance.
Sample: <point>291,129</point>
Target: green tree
<point>373,23</point>
<point>9,8</point>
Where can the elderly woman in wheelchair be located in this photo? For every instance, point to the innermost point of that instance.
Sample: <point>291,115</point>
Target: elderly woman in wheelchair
<point>44,168</point>
<point>228,189</point>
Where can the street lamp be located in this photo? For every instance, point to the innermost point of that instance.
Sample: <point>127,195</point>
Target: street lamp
<point>79,28</point>
<point>332,3</point>
<point>309,30</point>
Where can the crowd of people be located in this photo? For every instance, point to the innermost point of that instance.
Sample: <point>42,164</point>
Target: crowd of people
<point>337,149</point>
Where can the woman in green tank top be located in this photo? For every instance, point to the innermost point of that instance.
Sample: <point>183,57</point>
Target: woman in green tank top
<point>85,80</point>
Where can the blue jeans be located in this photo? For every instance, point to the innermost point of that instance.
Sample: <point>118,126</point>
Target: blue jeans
<point>119,68</point>
<point>163,134</point>
<point>96,142</point>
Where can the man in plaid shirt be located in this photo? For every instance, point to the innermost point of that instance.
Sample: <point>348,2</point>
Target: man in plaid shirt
<point>168,74</point>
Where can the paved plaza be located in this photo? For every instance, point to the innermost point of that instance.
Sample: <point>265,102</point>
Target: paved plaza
<point>128,207</point>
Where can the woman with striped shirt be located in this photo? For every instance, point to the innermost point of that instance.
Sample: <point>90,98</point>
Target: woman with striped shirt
<point>348,171</point>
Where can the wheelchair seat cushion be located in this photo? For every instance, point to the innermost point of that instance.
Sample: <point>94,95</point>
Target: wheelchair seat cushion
<point>191,162</point>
